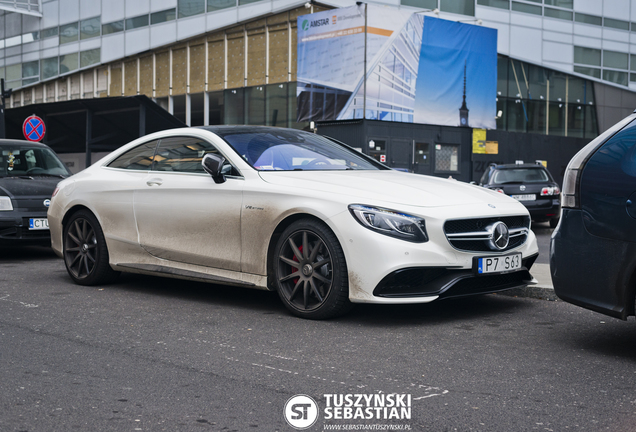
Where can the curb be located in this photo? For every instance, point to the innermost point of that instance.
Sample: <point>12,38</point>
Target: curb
<point>541,292</point>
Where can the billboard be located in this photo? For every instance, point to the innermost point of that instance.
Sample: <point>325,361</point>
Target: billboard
<point>418,69</point>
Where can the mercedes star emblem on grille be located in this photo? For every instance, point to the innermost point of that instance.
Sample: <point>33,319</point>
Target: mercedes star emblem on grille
<point>500,236</point>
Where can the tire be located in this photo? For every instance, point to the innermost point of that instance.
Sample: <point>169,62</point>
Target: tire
<point>554,222</point>
<point>310,271</point>
<point>85,252</point>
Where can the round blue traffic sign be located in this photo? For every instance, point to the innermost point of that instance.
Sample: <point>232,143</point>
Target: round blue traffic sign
<point>33,128</point>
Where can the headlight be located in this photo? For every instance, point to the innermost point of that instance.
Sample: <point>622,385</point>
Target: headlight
<point>390,222</point>
<point>5,203</point>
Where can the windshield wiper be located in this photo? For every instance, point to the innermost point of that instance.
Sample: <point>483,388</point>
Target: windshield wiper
<point>49,175</point>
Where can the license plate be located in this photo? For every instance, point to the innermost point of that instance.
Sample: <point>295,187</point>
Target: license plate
<point>499,264</point>
<point>527,197</point>
<point>38,224</point>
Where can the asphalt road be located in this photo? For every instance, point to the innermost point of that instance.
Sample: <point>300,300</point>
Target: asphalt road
<point>158,354</point>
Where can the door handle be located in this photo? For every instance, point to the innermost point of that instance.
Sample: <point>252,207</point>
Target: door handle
<point>154,182</point>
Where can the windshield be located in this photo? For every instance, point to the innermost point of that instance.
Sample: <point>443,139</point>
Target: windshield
<point>520,175</point>
<point>289,150</point>
<point>36,161</point>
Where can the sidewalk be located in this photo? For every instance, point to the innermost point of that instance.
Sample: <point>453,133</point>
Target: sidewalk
<point>543,290</point>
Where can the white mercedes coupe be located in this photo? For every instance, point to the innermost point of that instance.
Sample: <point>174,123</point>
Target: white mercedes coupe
<point>280,209</point>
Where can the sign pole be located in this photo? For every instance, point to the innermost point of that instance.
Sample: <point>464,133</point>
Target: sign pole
<point>3,94</point>
<point>364,99</point>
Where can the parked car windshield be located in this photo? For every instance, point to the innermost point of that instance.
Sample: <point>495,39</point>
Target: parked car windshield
<point>520,175</point>
<point>30,161</point>
<point>283,150</point>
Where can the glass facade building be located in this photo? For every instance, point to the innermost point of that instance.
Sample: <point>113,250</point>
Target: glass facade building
<point>234,61</point>
<point>538,100</point>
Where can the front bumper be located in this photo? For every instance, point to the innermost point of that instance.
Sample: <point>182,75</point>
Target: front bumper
<point>592,272</point>
<point>424,272</point>
<point>14,228</point>
<point>446,283</point>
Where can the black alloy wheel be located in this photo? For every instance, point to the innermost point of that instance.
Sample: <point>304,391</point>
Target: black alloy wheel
<point>85,252</point>
<point>310,271</point>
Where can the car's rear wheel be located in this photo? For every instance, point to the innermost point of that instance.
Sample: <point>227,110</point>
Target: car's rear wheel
<point>310,271</point>
<point>85,251</point>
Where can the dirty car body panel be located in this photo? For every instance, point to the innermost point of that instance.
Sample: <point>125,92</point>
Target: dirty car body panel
<point>290,211</point>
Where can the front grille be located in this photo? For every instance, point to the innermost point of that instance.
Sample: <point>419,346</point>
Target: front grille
<point>445,283</point>
<point>472,235</point>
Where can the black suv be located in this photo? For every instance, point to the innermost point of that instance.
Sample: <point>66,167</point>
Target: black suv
<point>530,184</point>
<point>29,173</point>
<point>593,250</point>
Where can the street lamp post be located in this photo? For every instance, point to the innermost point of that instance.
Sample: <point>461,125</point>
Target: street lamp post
<point>3,94</point>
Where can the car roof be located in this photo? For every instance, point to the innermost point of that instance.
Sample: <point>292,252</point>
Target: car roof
<point>225,129</point>
<point>21,143</point>
<point>513,166</point>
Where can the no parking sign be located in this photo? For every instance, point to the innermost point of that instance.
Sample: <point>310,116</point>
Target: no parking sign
<point>33,128</point>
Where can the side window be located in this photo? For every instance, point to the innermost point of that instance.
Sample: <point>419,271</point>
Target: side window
<point>139,158</point>
<point>182,154</point>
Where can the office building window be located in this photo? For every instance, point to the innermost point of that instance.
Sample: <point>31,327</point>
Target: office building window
<point>188,8</point>
<point>90,28</point>
<point>163,16</point>
<point>31,69</point>
<point>69,63</point>
<point>69,33</point>
<point>588,19</point>
<point>461,7</point>
<point>421,4</point>
<point>90,57</point>
<point>567,4</point>
<point>214,5</point>
<point>49,68</point>
<point>615,76</point>
<point>617,24</point>
<point>588,56</point>
<point>558,13</point>
<point>501,4</point>
<point>614,59</point>
<point>136,22</point>
<point>526,8</point>
<point>113,27</point>
<point>49,32</point>
<point>593,72</point>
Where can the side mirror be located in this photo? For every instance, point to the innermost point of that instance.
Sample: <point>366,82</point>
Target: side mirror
<point>213,164</point>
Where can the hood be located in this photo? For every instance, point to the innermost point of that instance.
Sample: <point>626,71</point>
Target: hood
<point>16,187</point>
<point>388,186</point>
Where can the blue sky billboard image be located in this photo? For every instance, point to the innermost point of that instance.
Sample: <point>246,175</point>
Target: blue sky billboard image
<point>450,53</point>
<point>416,71</point>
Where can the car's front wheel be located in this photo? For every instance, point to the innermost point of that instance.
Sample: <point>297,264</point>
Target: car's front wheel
<point>310,271</point>
<point>85,252</point>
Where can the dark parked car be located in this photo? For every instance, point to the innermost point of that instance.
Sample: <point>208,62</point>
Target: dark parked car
<point>593,250</point>
<point>530,184</point>
<point>29,173</point>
